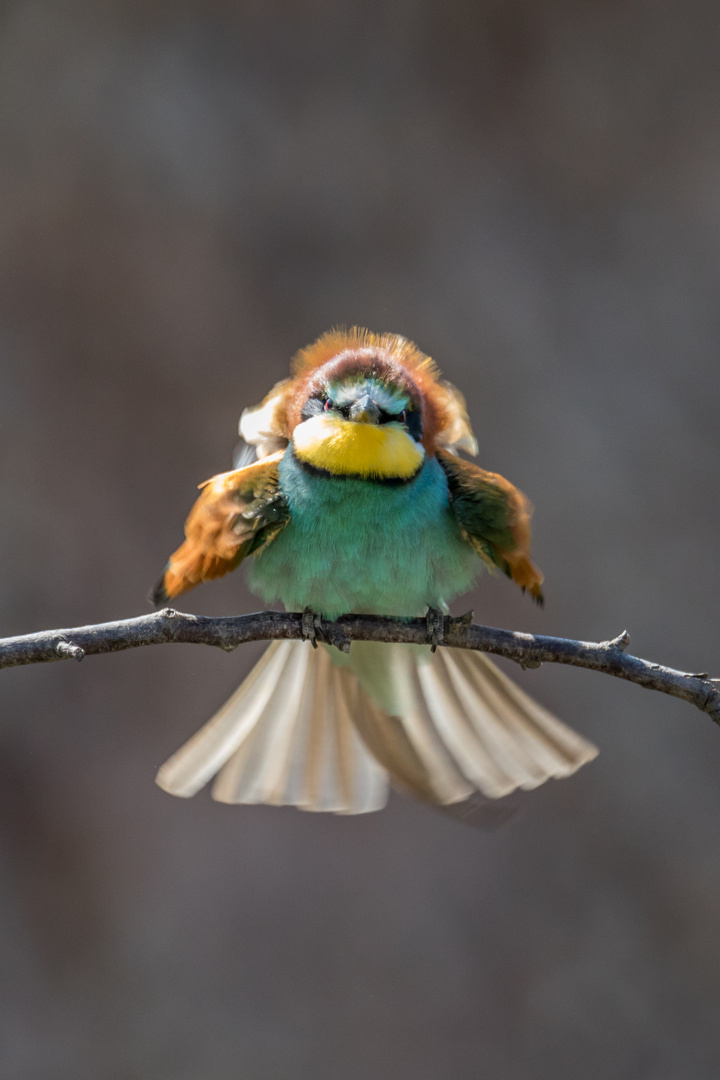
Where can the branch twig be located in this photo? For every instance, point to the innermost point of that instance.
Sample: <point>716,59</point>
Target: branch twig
<point>528,650</point>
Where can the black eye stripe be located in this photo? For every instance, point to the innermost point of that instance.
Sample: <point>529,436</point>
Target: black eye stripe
<point>410,418</point>
<point>413,423</point>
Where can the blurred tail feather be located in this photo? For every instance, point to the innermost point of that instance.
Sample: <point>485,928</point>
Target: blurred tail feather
<point>285,737</point>
<point>303,732</point>
<point>461,725</point>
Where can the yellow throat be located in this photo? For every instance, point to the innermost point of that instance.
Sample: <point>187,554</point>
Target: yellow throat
<point>346,448</point>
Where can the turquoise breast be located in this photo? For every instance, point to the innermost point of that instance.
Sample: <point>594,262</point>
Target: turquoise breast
<point>355,545</point>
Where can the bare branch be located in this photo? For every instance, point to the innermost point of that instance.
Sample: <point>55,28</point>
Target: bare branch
<point>528,650</point>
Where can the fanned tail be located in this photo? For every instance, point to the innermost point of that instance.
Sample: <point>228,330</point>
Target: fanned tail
<point>304,731</point>
<point>454,724</point>
<point>286,738</point>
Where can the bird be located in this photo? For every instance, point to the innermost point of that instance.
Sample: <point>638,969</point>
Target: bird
<point>353,496</point>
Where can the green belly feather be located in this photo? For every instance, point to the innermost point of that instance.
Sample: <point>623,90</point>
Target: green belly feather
<point>354,545</point>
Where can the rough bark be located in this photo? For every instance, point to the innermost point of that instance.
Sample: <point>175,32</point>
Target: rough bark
<point>528,650</point>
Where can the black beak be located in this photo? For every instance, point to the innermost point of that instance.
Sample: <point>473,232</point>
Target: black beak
<point>365,411</point>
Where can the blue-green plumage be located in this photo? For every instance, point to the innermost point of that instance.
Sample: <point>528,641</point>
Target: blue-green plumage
<point>354,545</point>
<point>354,516</point>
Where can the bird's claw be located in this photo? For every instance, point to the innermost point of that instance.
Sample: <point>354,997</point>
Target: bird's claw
<point>435,628</point>
<point>311,625</point>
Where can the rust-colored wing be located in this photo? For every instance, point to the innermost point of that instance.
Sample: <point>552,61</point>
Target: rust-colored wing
<point>495,518</point>
<point>236,515</point>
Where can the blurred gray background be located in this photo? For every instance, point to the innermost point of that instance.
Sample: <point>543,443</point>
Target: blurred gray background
<point>530,189</point>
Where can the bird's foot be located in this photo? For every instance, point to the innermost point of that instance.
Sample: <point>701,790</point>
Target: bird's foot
<point>311,626</point>
<point>435,620</point>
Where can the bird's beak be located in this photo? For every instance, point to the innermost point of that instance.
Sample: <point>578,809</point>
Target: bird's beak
<point>364,411</point>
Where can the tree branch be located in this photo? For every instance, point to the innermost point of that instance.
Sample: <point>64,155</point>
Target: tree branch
<point>528,650</point>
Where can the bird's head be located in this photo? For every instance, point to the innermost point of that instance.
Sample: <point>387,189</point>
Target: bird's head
<point>363,405</point>
<point>361,414</point>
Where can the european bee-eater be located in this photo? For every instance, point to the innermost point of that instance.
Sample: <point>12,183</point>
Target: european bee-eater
<point>359,502</point>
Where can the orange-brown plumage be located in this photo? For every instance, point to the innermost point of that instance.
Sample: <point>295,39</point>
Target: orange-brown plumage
<point>443,407</point>
<point>236,515</point>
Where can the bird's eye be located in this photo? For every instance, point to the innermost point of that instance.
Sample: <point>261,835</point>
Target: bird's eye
<point>403,415</point>
<point>328,405</point>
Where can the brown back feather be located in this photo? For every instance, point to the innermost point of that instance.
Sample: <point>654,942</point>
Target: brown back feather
<point>236,515</point>
<point>494,516</point>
